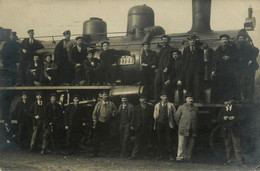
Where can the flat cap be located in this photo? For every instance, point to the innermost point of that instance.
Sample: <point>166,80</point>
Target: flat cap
<point>166,36</point>
<point>188,94</point>
<point>224,35</point>
<point>175,50</point>
<point>163,93</point>
<point>66,32</point>
<point>79,37</point>
<point>105,42</point>
<point>30,31</point>
<point>38,93</point>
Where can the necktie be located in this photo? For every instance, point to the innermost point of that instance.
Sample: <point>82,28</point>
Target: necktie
<point>31,41</point>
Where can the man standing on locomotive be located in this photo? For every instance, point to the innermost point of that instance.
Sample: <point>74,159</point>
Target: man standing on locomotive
<point>9,57</point>
<point>224,68</point>
<point>162,70</point>
<point>29,47</point>
<point>78,55</point>
<point>149,63</point>
<point>61,58</point>
<point>187,120</point>
<point>163,125</point>
<point>247,67</point>
<point>193,67</point>
<point>231,132</point>
<point>102,116</point>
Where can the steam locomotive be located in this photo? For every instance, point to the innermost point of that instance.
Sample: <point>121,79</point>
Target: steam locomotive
<point>140,28</point>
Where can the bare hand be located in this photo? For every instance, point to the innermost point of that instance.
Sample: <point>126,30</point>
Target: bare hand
<point>83,124</point>
<point>225,117</point>
<point>231,117</point>
<point>77,65</point>
<point>213,74</point>
<point>47,69</point>
<point>24,51</point>
<point>165,70</point>
<point>153,66</point>
<point>250,62</point>
<point>143,64</point>
<point>49,78</point>
<point>179,82</point>
<point>226,57</point>
<point>50,123</point>
<point>132,128</point>
<point>37,117</point>
<point>66,127</point>
<point>114,64</point>
<point>167,82</point>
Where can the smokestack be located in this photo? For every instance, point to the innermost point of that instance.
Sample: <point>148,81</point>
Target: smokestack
<point>201,15</point>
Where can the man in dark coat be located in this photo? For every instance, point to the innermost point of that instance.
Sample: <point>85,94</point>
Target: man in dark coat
<point>52,121</point>
<point>35,72</point>
<point>247,67</point>
<point>61,58</point>
<point>175,76</point>
<point>50,74</point>
<point>193,67</point>
<point>230,131</point>
<point>29,47</point>
<point>187,120</point>
<point>22,112</point>
<point>102,116</point>
<point>149,62</point>
<point>142,124</point>
<point>74,123</point>
<point>10,56</point>
<point>37,114</point>
<point>91,67</point>
<point>78,55</point>
<point>109,69</point>
<point>125,111</point>
<point>164,61</point>
<point>224,68</point>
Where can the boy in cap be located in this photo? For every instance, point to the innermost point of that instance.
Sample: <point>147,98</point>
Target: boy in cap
<point>247,66</point>
<point>74,123</point>
<point>91,66</point>
<point>50,75</point>
<point>193,67</point>
<point>125,112</point>
<point>164,112</point>
<point>187,120</point>
<point>52,120</point>
<point>162,70</point>
<point>175,77</point>
<point>9,57</point>
<point>37,114</point>
<point>142,125</point>
<point>29,47</point>
<point>78,55</point>
<point>230,131</point>
<point>102,116</point>
<point>149,63</point>
<point>22,112</point>
<point>61,58</point>
<point>224,68</point>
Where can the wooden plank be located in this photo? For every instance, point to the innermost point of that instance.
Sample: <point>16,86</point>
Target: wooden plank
<point>56,88</point>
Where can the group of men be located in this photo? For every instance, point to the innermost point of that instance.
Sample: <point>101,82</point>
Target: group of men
<point>44,124</point>
<point>231,67</point>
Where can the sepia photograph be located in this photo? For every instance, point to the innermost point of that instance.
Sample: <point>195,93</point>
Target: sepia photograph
<point>129,85</point>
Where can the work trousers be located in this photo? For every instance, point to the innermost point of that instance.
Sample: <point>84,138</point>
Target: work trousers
<point>235,141</point>
<point>185,146</point>
<point>142,137</point>
<point>164,134</point>
<point>37,131</point>
<point>101,134</point>
<point>124,131</point>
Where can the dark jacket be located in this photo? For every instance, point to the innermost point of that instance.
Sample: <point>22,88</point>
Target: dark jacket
<point>193,62</point>
<point>225,67</point>
<point>37,110</point>
<point>108,57</point>
<point>10,53</point>
<point>229,125</point>
<point>176,70</point>
<point>142,118</point>
<point>150,59</point>
<point>61,54</point>
<point>187,119</point>
<point>38,70</point>
<point>245,53</point>
<point>74,117</point>
<point>130,112</point>
<point>76,56</point>
<point>30,48</point>
<point>52,113</point>
<point>165,58</point>
<point>22,111</point>
<point>88,66</point>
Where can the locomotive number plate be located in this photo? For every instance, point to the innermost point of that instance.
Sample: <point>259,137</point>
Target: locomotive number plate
<point>126,60</point>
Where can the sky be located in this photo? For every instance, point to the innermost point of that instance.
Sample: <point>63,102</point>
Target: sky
<point>52,17</point>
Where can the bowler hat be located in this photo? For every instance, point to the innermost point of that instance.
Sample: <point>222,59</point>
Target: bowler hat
<point>188,94</point>
<point>224,35</point>
<point>176,50</point>
<point>30,31</point>
<point>79,37</point>
<point>105,42</point>
<point>105,92</point>
<point>66,32</point>
<point>163,93</point>
<point>38,93</point>
<point>53,95</point>
<point>143,96</point>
